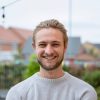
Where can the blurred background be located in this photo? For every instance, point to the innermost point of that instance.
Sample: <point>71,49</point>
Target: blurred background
<point>18,18</point>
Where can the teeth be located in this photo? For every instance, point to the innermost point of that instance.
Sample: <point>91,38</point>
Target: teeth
<point>49,58</point>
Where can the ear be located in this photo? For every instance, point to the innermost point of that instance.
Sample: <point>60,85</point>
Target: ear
<point>33,45</point>
<point>65,48</point>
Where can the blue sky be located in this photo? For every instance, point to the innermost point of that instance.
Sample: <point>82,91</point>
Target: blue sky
<point>28,13</point>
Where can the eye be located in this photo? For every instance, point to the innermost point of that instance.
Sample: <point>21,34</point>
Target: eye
<point>55,45</point>
<point>42,45</point>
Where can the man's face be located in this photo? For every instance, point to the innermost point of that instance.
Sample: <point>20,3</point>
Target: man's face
<point>49,45</point>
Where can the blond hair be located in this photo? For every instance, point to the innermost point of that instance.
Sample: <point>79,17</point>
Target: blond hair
<point>52,23</point>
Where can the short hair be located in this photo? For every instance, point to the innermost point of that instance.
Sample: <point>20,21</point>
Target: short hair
<point>52,23</point>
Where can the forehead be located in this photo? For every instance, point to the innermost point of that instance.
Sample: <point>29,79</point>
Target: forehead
<point>49,34</point>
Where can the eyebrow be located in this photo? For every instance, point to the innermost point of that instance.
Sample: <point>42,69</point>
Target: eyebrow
<point>50,42</point>
<point>56,42</point>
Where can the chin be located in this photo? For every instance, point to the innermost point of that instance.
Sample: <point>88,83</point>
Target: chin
<point>49,68</point>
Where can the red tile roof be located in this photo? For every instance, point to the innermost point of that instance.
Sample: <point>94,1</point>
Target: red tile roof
<point>85,57</point>
<point>7,36</point>
<point>11,35</point>
<point>22,33</point>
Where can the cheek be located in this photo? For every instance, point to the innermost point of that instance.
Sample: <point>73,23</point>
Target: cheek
<point>61,53</point>
<point>61,50</point>
<point>39,51</point>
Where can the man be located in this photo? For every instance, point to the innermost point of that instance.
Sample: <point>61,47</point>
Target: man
<point>51,82</point>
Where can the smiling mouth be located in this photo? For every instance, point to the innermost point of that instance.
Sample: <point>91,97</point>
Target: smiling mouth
<point>49,58</point>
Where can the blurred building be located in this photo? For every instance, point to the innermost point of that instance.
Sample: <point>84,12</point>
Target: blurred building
<point>11,42</point>
<point>15,40</point>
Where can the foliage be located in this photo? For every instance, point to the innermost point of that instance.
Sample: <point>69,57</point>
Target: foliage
<point>98,92</point>
<point>32,67</point>
<point>65,68</point>
<point>10,75</point>
<point>92,78</point>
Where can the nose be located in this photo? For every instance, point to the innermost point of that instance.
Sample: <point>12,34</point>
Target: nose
<point>49,50</point>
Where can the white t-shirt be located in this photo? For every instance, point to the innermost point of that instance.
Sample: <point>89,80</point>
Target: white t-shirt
<point>66,87</point>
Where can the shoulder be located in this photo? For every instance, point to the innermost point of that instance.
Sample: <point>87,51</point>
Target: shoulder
<point>22,87</point>
<point>76,82</point>
<point>82,88</point>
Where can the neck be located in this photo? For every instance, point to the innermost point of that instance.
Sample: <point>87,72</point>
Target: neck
<point>53,74</point>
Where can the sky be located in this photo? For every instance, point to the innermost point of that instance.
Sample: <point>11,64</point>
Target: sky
<point>28,13</point>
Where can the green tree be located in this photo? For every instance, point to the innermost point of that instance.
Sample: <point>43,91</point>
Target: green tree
<point>32,67</point>
<point>92,78</point>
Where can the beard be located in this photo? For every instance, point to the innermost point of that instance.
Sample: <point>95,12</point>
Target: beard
<point>51,67</point>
